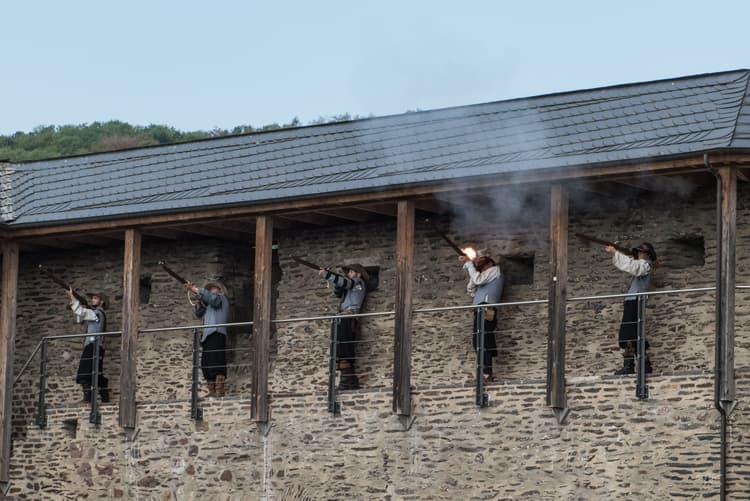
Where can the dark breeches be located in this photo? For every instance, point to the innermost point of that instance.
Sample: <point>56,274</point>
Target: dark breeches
<point>629,327</point>
<point>347,329</point>
<point>213,356</point>
<point>86,367</point>
<point>490,343</point>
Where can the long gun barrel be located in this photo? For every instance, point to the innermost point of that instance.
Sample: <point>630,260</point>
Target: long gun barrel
<point>619,248</point>
<point>447,239</point>
<point>173,273</point>
<point>309,264</point>
<point>81,299</point>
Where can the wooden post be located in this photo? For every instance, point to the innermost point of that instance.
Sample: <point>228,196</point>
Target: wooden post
<point>558,293</point>
<point>726,222</point>
<point>262,317</point>
<point>7,351</point>
<point>130,289</point>
<point>404,285</point>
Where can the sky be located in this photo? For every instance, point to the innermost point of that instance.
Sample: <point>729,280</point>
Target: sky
<point>205,65</point>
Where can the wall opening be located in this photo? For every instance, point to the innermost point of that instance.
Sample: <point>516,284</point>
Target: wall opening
<point>70,426</point>
<point>518,269</point>
<point>684,252</point>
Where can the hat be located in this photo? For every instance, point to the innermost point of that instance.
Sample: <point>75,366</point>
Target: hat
<point>357,268</point>
<point>647,247</point>
<point>483,253</point>
<point>219,285</point>
<point>100,295</point>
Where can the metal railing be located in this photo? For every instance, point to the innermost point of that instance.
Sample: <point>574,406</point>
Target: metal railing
<point>334,344</point>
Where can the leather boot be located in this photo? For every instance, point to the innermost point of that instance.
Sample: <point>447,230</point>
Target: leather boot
<point>628,367</point>
<point>86,394</point>
<point>220,379</point>
<point>349,380</point>
<point>104,394</point>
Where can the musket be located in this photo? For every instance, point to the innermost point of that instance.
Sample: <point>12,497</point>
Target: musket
<point>308,263</point>
<point>173,273</point>
<point>619,248</point>
<point>447,239</point>
<point>81,299</point>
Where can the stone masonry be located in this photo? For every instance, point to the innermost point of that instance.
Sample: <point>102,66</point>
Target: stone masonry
<point>611,446</point>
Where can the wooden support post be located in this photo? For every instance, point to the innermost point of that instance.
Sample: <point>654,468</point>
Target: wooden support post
<point>131,272</point>
<point>558,293</point>
<point>262,317</point>
<point>404,285</point>
<point>726,222</point>
<point>7,352</point>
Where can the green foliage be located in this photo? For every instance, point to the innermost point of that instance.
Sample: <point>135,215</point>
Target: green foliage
<point>52,141</point>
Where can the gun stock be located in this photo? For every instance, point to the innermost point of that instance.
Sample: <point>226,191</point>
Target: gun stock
<point>619,248</point>
<point>173,273</point>
<point>81,299</point>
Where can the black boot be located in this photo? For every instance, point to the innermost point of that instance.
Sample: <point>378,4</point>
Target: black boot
<point>628,367</point>
<point>349,380</point>
<point>86,394</point>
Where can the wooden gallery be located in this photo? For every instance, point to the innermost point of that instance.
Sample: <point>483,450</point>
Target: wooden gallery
<point>528,181</point>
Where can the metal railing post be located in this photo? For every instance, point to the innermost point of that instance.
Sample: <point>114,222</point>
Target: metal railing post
<point>41,416</point>
<point>94,416</point>
<point>196,413</point>
<point>481,397</point>
<point>641,390</point>
<point>334,407</point>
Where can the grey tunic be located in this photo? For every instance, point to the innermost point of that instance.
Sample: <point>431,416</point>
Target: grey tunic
<point>355,291</point>
<point>214,309</point>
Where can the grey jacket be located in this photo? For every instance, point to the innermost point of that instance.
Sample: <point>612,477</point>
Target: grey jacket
<point>640,269</point>
<point>96,320</point>
<point>355,291</point>
<point>213,309</point>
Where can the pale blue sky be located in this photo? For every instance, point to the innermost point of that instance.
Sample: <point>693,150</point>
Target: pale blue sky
<point>199,65</point>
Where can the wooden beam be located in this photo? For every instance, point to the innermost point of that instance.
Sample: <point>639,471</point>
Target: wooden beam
<point>726,226</point>
<point>404,285</point>
<point>55,243</point>
<point>558,294</point>
<point>213,232</point>
<point>314,219</point>
<point>164,233</point>
<point>349,214</point>
<point>430,205</point>
<point>694,163</point>
<point>262,317</point>
<point>10,254</point>
<point>128,363</point>
<point>388,209</point>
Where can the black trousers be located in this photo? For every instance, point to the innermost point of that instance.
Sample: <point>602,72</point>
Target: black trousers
<point>628,336</point>
<point>490,343</point>
<point>86,367</point>
<point>345,338</point>
<point>213,356</point>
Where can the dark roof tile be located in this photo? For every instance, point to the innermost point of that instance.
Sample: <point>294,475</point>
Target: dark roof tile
<point>613,124</point>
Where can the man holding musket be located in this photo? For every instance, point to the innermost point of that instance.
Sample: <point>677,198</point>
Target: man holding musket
<point>96,322</point>
<point>639,265</point>
<point>485,286</point>
<point>352,290</point>
<point>212,306</point>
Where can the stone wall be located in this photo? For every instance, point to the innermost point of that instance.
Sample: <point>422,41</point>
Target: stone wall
<point>613,445</point>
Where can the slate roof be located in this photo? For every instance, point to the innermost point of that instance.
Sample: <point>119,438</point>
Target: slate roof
<point>665,118</point>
